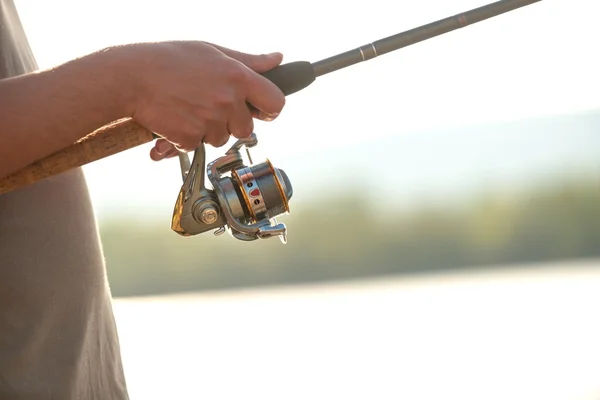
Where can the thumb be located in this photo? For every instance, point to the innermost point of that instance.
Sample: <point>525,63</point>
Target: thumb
<point>257,62</point>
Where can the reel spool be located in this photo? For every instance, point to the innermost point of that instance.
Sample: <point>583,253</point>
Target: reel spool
<point>245,200</point>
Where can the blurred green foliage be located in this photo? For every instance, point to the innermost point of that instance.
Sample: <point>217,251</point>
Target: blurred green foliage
<point>344,238</point>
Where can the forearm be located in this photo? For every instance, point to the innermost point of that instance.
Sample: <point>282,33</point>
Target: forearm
<point>46,111</point>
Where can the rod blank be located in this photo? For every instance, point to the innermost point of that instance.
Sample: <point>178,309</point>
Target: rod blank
<point>416,35</point>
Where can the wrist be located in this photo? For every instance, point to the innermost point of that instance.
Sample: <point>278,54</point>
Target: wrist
<point>114,71</point>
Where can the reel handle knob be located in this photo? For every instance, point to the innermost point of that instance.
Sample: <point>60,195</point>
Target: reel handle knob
<point>269,231</point>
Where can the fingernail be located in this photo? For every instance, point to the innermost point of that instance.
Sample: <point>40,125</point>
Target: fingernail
<point>155,155</point>
<point>162,147</point>
<point>267,117</point>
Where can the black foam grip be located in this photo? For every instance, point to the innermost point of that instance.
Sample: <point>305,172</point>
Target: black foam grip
<point>292,77</point>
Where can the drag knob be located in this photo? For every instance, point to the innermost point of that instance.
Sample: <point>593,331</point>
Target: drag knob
<point>288,191</point>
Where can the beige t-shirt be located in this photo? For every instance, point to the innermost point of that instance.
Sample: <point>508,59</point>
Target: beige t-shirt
<point>58,338</point>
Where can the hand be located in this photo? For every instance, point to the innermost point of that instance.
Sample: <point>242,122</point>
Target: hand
<point>194,92</point>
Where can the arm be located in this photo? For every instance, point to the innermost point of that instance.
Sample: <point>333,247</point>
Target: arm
<point>187,92</point>
<point>43,112</point>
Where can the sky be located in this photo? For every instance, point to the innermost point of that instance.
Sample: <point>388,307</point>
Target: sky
<point>534,62</point>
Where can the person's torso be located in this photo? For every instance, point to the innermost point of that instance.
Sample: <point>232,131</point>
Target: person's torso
<point>58,337</point>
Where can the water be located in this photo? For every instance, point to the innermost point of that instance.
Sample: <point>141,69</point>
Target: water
<point>532,333</point>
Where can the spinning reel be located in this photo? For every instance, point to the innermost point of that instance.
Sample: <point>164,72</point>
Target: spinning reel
<point>245,199</point>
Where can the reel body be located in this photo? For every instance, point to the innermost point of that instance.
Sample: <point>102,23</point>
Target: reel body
<point>244,200</point>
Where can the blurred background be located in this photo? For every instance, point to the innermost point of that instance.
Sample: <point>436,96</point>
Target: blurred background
<point>444,235</point>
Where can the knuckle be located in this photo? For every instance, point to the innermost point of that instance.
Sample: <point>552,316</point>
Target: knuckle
<point>236,72</point>
<point>242,128</point>
<point>242,134</point>
<point>247,130</point>
<point>222,141</point>
<point>189,143</point>
<point>224,98</point>
<point>217,140</point>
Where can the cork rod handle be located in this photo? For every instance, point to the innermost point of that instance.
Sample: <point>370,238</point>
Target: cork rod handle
<point>104,142</point>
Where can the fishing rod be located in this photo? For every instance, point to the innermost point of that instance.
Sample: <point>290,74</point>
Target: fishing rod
<point>295,76</point>
<point>245,200</point>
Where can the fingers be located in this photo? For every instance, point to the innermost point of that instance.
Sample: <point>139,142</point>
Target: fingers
<point>267,98</point>
<point>241,124</point>
<point>214,133</point>
<point>192,129</point>
<point>217,134</point>
<point>259,63</point>
<point>262,94</point>
<point>230,94</point>
<point>163,149</point>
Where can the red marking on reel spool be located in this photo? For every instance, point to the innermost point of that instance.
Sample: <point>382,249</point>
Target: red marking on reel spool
<point>255,192</point>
